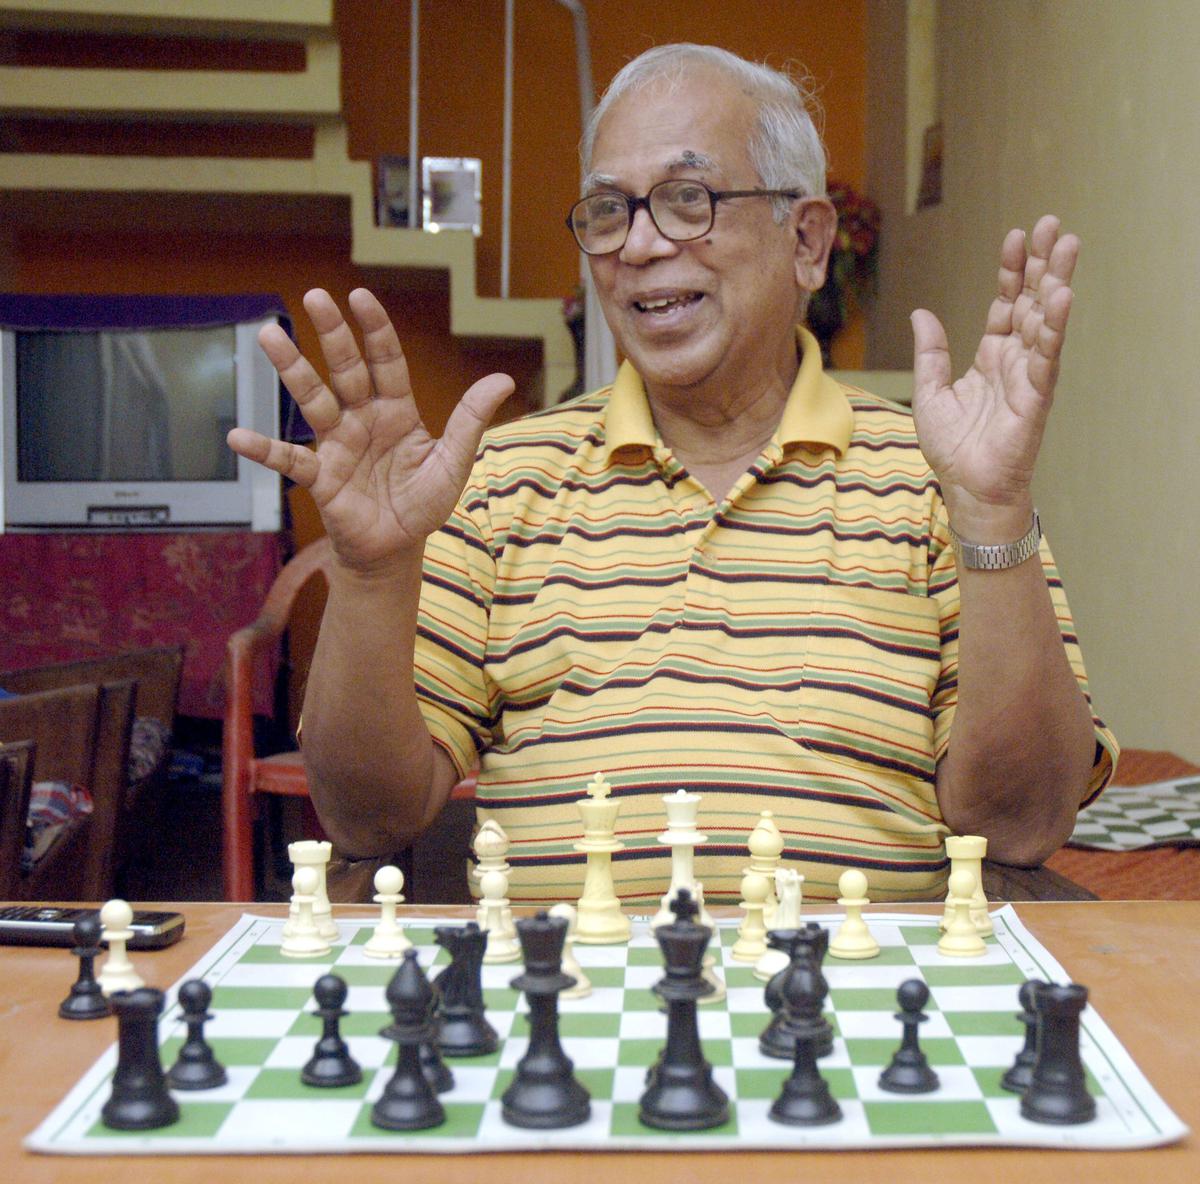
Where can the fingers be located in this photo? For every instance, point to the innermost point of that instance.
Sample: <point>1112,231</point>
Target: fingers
<point>298,464</point>
<point>931,355</point>
<point>467,421</point>
<point>316,401</point>
<point>1046,349</point>
<point>385,358</point>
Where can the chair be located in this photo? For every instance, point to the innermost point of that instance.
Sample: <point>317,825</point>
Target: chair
<point>141,752</point>
<point>248,777</point>
<point>81,737</point>
<point>16,780</point>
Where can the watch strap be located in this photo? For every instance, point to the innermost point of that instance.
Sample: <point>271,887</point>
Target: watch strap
<point>997,556</point>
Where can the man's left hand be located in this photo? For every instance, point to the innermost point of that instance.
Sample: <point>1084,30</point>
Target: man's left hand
<point>981,434</point>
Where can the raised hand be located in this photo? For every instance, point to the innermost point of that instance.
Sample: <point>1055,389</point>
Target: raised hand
<point>981,434</point>
<point>381,482</point>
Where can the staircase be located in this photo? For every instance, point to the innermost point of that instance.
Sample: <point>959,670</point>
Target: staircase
<point>310,97</point>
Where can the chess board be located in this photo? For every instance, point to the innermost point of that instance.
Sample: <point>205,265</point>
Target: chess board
<point>1127,818</point>
<point>263,1031</point>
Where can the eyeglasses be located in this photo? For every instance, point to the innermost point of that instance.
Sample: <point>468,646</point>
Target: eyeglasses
<point>681,210</point>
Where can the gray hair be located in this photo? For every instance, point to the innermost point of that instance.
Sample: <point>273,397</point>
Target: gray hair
<point>785,149</point>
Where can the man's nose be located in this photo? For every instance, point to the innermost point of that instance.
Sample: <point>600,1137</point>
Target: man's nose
<point>645,241</point>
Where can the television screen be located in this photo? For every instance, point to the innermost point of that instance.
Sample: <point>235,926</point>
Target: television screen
<point>114,411</point>
<point>126,406</point>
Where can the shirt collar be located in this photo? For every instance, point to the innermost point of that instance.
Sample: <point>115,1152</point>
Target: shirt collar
<point>817,410</point>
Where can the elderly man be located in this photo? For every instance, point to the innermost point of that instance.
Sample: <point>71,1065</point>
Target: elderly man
<point>727,572</point>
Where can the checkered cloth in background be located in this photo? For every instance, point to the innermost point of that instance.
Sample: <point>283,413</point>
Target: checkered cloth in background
<point>1129,817</point>
<point>53,805</point>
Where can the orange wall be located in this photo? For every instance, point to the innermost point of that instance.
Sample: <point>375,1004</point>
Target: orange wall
<point>461,97</point>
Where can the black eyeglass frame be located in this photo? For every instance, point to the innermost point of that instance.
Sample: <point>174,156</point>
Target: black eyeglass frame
<point>633,204</point>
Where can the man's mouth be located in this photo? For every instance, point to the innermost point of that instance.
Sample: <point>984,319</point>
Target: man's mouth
<point>666,304</point>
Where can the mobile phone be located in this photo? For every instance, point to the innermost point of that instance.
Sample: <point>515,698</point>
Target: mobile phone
<point>45,925</point>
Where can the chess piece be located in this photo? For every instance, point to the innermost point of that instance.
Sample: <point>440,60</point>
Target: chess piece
<point>708,967</point>
<point>766,852</point>
<point>1057,1090</point>
<point>1017,1078</point>
<point>304,940</point>
<point>967,852</point>
<point>463,1029</point>
<point>387,939</point>
<point>681,1094</point>
<point>805,1099</point>
<point>331,1064</point>
<point>909,1071</point>
<point>86,1000</point>
<point>490,847</point>
<point>570,964</point>
<point>751,941</point>
<point>117,972</point>
<point>501,946</point>
<point>788,884</point>
<point>140,1099</point>
<point>683,838</point>
<point>314,853</point>
<point>853,939</point>
<point>961,939</point>
<point>599,919</point>
<point>805,949</point>
<point>544,1093</point>
<point>196,1066</point>
<point>408,1101</point>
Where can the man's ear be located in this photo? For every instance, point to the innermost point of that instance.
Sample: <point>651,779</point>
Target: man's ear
<point>815,223</point>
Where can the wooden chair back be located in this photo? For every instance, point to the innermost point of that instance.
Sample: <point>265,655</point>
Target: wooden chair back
<point>16,780</point>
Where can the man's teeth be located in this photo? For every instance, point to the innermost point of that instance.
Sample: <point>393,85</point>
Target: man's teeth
<point>665,302</point>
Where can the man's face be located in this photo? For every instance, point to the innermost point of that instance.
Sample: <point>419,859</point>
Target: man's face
<point>716,311</point>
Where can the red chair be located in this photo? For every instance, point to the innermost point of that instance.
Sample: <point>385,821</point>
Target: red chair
<point>246,775</point>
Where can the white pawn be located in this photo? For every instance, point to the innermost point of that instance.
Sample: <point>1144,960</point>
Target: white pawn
<point>751,941</point>
<point>501,947</point>
<point>491,846</point>
<point>304,940</point>
<point>117,973</point>
<point>570,964</point>
<point>961,939</point>
<point>853,939</point>
<point>387,939</point>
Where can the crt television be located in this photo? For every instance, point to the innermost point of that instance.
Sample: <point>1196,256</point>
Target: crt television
<point>115,411</point>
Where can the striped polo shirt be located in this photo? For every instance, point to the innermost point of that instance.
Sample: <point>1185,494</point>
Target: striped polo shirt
<point>589,609</point>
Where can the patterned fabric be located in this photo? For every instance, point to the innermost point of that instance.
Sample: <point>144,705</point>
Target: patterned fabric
<point>1166,814</point>
<point>587,608</point>
<point>147,748</point>
<point>69,596</point>
<point>53,806</point>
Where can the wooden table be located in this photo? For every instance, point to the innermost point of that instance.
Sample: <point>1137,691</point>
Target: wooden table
<point>1140,960</point>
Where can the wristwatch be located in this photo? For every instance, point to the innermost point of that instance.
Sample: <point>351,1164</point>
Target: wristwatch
<point>997,556</point>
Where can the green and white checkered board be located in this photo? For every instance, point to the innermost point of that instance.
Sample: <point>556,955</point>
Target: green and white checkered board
<point>1126,818</point>
<point>263,1031</point>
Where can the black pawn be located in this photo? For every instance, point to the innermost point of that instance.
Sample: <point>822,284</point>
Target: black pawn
<point>86,1000</point>
<point>140,1100</point>
<point>1058,1092</point>
<point>331,1064</point>
<point>544,1094</point>
<point>196,1067</point>
<point>464,1030</point>
<point>805,1099</point>
<point>909,1072</point>
<point>681,1094</point>
<point>1018,1077</point>
<point>408,1102</point>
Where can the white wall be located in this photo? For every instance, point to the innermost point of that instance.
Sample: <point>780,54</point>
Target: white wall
<point>1089,109</point>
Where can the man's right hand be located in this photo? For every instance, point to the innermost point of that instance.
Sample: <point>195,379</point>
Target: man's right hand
<point>381,482</point>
